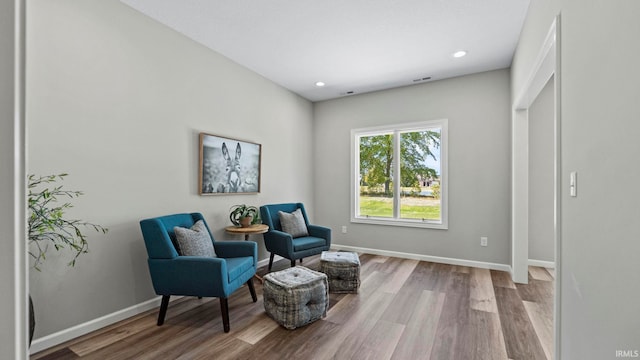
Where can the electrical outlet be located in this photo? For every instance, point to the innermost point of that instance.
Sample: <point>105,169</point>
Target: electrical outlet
<point>484,241</point>
<point>344,229</point>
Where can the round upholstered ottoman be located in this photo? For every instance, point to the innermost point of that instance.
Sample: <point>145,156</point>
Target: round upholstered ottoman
<point>296,296</point>
<point>342,269</point>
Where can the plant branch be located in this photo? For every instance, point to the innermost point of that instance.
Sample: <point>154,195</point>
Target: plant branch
<point>47,224</point>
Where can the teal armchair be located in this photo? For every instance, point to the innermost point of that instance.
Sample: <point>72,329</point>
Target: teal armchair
<point>285,245</point>
<point>172,274</point>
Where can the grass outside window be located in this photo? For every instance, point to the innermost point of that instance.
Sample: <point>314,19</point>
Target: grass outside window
<point>418,208</point>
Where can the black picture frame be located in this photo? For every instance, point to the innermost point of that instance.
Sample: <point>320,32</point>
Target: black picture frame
<point>228,166</point>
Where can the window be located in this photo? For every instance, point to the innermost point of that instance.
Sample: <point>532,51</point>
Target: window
<point>408,192</point>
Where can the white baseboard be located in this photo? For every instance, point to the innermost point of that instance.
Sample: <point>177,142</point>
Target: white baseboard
<point>59,337</point>
<point>436,259</point>
<point>265,262</point>
<point>541,263</point>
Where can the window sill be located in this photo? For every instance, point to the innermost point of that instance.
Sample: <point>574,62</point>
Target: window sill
<point>401,222</point>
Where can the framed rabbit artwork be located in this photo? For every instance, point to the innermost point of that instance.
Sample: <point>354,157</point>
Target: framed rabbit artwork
<point>228,166</point>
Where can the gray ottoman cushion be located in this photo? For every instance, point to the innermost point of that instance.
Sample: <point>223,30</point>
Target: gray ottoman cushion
<point>342,269</point>
<point>295,296</point>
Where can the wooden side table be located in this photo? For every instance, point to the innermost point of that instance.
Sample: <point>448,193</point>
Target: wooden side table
<point>246,231</point>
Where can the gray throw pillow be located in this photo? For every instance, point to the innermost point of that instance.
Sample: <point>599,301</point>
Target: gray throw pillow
<point>195,241</point>
<point>293,223</point>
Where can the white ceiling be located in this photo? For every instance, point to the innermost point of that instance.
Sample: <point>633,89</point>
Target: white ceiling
<point>351,45</point>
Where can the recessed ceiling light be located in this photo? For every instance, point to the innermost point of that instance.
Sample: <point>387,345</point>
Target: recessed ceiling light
<point>320,84</point>
<point>459,54</point>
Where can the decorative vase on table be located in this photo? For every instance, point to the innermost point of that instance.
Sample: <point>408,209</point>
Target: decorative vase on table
<point>246,221</point>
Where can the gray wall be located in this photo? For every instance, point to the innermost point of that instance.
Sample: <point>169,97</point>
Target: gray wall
<point>12,273</point>
<point>117,101</point>
<point>541,164</point>
<point>600,83</point>
<point>477,107</point>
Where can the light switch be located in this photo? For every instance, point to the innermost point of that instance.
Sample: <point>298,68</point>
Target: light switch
<point>573,184</point>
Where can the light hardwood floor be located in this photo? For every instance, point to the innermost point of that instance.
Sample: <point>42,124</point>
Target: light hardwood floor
<point>406,309</point>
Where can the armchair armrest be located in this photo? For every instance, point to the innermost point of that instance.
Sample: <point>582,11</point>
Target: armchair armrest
<point>321,232</point>
<point>231,249</point>
<point>189,275</point>
<point>278,242</point>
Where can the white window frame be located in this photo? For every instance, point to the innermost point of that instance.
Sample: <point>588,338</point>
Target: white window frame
<point>444,175</point>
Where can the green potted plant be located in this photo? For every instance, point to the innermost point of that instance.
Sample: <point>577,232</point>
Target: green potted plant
<point>48,226</point>
<point>244,215</point>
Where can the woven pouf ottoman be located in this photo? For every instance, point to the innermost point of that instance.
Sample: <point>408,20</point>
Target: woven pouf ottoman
<point>296,296</point>
<point>342,269</point>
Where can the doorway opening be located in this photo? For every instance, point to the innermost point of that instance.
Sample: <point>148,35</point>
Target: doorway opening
<point>544,72</point>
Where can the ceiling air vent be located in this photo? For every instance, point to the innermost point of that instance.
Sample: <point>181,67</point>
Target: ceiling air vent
<point>350,92</point>
<point>422,79</point>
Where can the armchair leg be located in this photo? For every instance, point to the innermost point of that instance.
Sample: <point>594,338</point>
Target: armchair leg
<point>224,308</point>
<point>252,290</point>
<point>271,261</point>
<point>293,263</point>
<point>163,309</point>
